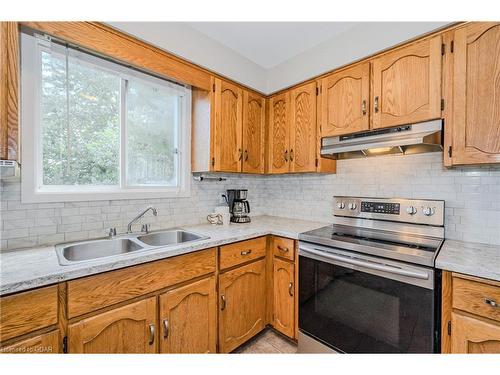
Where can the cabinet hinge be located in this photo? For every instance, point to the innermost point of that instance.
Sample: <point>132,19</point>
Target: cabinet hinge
<point>443,49</point>
<point>442,104</point>
<point>317,162</point>
<point>213,162</point>
<point>449,327</point>
<point>450,151</point>
<point>452,46</point>
<point>65,344</point>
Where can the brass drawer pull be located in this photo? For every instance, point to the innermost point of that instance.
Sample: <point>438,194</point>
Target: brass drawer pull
<point>222,302</point>
<point>246,155</point>
<point>376,104</point>
<point>363,107</point>
<point>246,252</point>
<point>240,153</point>
<point>290,289</point>
<point>291,154</point>
<point>283,249</point>
<point>491,302</point>
<point>165,329</point>
<point>151,334</point>
<point>286,155</point>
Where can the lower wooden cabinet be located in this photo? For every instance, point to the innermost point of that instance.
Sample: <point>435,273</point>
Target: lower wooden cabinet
<point>188,318</point>
<point>242,304</point>
<point>474,335</point>
<point>284,297</point>
<point>127,329</point>
<point>42,344</point>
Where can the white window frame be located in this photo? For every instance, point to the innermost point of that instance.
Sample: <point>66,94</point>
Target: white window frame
<point>31,155</point>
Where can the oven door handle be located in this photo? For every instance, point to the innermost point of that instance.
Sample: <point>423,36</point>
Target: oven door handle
<point>360,263</point>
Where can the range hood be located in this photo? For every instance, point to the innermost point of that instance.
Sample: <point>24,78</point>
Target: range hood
<point>407,139</point>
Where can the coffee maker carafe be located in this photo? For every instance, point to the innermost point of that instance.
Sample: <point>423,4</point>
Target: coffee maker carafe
<point>238,205</point>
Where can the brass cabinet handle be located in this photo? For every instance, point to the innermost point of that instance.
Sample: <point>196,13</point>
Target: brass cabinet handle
<point>240,152</point>
<point>491,302</point>
<point>290,289</point>
<point>246,155</point>
<point>363,107</point>
<point>375,104</point>
<point>246,252</point>
<point>291,154</point>
<point>151,334</point>
<point>284,249</point>
<point>222,302</point>
<point>286,155</point>
<point>165,328</point>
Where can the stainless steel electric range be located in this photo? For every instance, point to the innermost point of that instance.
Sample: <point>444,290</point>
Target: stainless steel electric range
<point>367,284</point>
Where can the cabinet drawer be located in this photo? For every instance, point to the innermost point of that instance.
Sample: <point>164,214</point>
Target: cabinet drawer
<point>284,247</point>
<point>42,344</point>
<point>95,292</point>
<point>241,252</point>
<point>476,298</point>
<point>28,311</point>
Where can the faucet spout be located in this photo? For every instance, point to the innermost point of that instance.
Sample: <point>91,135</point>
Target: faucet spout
<point>135,219</point>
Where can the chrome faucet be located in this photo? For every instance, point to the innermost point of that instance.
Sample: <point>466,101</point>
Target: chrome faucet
<point>129,226</point>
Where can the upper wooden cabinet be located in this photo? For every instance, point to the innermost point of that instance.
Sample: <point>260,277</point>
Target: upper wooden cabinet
<point>345,101</point>
<point>188,318</point>
<point>127,329</point>
<point>303,129</point>
<point>475,118</point>
<point>254,122</point>
<point>407,84</point>
<point>279,133</point>
<point>227,138</point>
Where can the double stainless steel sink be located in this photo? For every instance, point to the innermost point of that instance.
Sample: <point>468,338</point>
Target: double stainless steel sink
<point>74,252</point>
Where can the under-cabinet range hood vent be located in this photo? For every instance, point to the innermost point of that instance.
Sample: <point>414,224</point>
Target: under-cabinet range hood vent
<point>407,139</point>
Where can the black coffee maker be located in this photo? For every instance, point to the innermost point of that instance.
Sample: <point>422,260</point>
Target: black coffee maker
<point>238,205</point>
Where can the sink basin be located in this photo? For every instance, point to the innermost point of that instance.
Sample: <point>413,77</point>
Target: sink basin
<point>169,237</point>
<point>96,249</point>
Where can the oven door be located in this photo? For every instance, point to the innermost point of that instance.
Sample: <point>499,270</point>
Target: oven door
<point>360,304</point>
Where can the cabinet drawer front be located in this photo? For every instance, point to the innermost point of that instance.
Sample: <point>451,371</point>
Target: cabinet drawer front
<point>284,247</point>
<point>47,343</point>
<point>26,312</point>
<point>476,298</point>
<point>95,292</point>
<point>241,252</point>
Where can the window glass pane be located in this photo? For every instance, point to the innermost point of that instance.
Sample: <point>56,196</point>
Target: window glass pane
<point>152,123</point>
<point>80,123</point>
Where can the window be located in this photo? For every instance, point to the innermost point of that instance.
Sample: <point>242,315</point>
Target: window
<point>94,129</point>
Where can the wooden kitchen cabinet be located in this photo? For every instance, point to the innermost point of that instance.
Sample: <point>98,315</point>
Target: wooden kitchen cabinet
<point>242,304</point>
<point>46,343</point>
<point>127,329</point>
<point>279,134</point>
<point>284,297</point>
<point>188,318</point>
<point>407,84</point>
<point>474,118</point>
<point>474,335</point>
<point>345,101</point>
<point>254,122</point>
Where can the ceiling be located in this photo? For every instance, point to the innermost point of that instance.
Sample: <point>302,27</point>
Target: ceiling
<point>270,43</point>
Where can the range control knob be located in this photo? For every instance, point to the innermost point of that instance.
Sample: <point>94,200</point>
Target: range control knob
<point>428,211</point>
<point>341,205</point>
<point>411,210</point>
<point>352,206</point>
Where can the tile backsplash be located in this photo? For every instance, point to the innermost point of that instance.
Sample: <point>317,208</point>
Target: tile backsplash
<point>472,196</point>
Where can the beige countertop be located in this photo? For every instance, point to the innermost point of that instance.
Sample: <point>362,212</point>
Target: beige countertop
<point>31,268</point>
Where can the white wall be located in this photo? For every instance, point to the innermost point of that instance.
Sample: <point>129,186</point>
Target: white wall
<point>190,44</point>
<point>358,42</point>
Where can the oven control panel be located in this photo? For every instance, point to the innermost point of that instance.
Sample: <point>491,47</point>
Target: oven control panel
<point>417,211</point>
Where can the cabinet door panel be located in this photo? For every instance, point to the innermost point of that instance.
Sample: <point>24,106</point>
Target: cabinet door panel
<point>242,305</point>
<point>476,90</point>
<point>228,127</point>
<point>284,300</point>
<point>127,329</point>
<point>279,133</point>
<point>253,133</point>
<point>345,98</point>
<point>303,129</point>
<point>42,344</point>
<point>471,335</point>
<point>407,85</point>
<point>188,318</point>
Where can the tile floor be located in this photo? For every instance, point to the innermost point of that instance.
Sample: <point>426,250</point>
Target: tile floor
<point>268,342</point>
